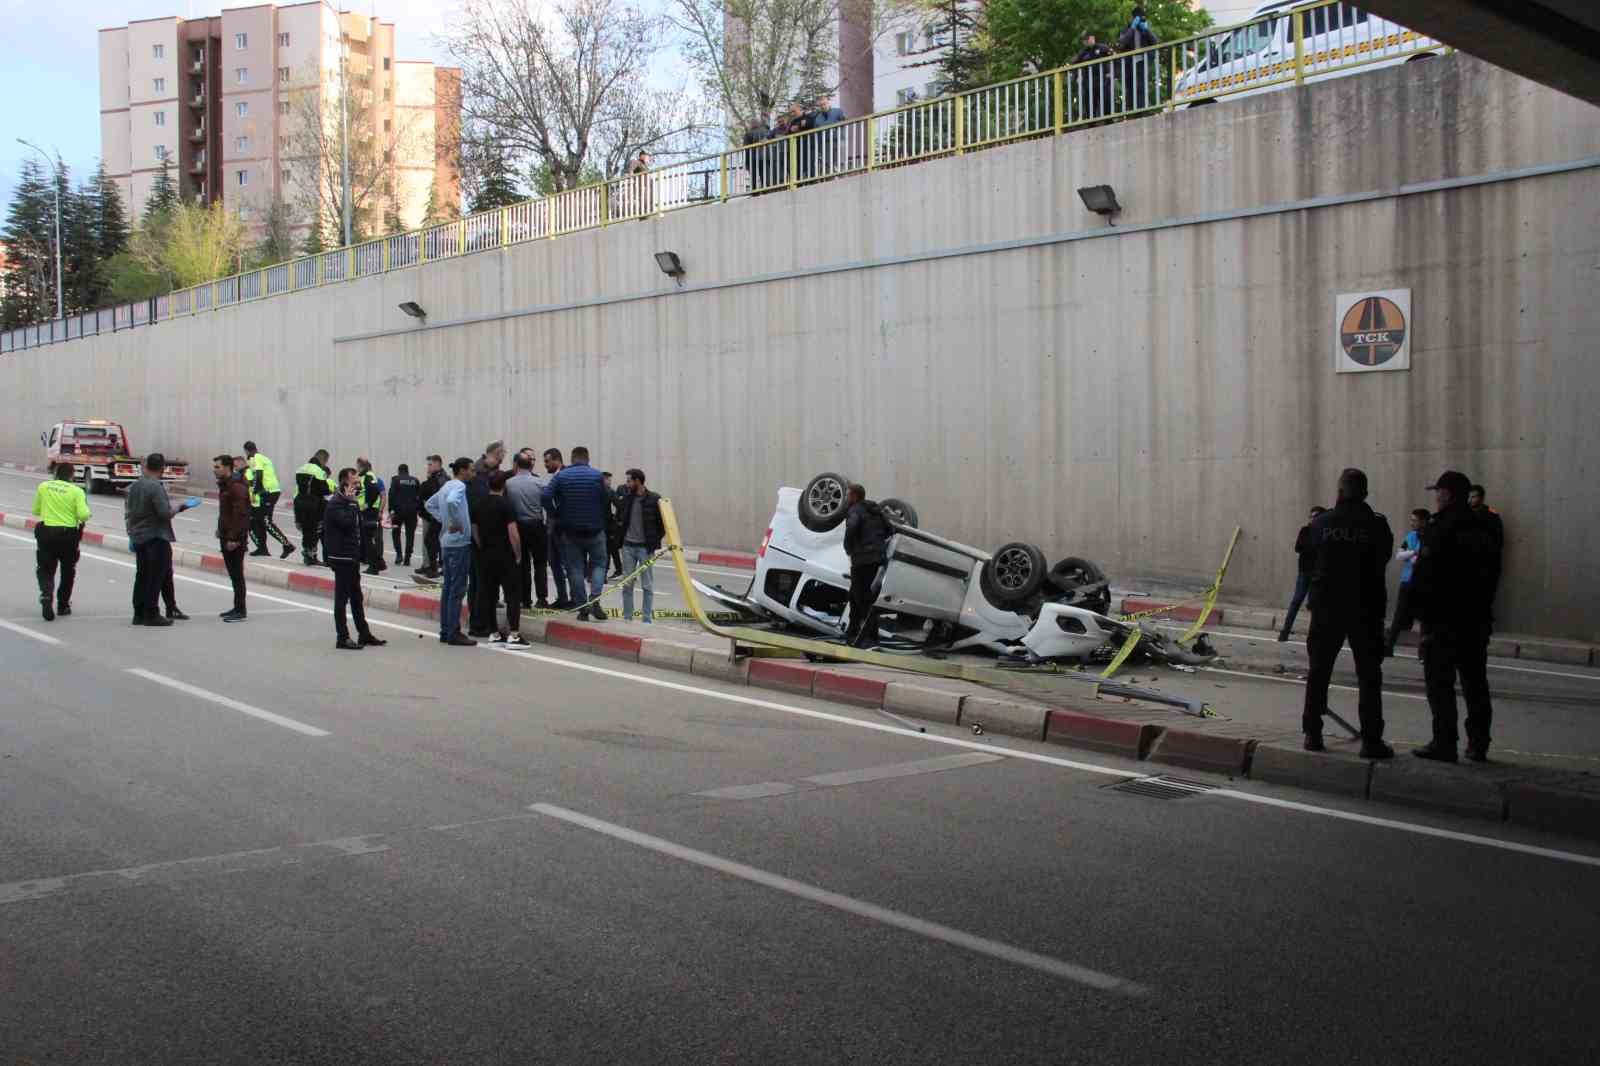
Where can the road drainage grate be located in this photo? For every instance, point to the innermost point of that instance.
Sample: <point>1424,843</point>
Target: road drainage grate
<point>1161,787</point>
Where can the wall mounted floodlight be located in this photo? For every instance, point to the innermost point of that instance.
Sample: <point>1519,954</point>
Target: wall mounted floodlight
<point>670,265</point>
<point>411,308</point>
<point>1101,199</point>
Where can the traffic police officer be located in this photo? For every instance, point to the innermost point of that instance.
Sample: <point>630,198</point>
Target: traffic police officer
<point>314,483</point>
<point>369,496</point>
<point>262,478</point>
<point>62,511</point>
<point>1456,574</point>
<point>1350,546</point>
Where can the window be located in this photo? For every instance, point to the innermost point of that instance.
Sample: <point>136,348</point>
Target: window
<point>283,40</point>
<point>386,93</point>
<point>385,62</point>
<point>158,51</point>
<point>905,96</point>
<point>283,143</point>
<point>904,43</point>
<point>199,55</point>
<point>283,75</point>
<point>930,90</point>
<point>242,109</point>
<point>241,41</point>
<point>161,153</point>
<point>241,144</point>
<point>161,118</point>
<point>242,75</point>
<point>283,176</point>
<point>159,85</point>
<point>386,125</point>
<point>243,176</point>
<point>283,107</point>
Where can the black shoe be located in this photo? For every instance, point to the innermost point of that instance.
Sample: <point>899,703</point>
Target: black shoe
<point>542,605</point>
<point>563,605</point>
<point>1376,749</point>
<point>156,621</point>
<point>1314,742</point>
<point>371,570</point>
<point>1283,637</point>
<point>1477,754</point>
<point>49,611</point>
<point>260,551</point>
<point>458,641</point>
<point>233,616</point>
<point>138,620</point>
<point>177,615</point>
<point>1436,752</point>
<point>480,633</point>
<point>371,641</point>
<point>63,609</point>
<point>288,550</point>
<point>598,614</point>
<point>348,645</point>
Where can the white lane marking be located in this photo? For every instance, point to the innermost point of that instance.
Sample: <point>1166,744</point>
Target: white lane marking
<point>26,632</point>
<point>1410,827</point>
<point>1300,681</point>
<point>956,742</point>
<point>760,790</point>
<point>860,908</point>
<point>231,704</point>
<point>901,769</point>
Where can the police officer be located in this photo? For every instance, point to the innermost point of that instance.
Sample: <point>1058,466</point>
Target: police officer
<point>405,499</point>
<point>430,526</point>
<point>369,496</point>
<point>313,485</point>
<point>62,511</point>
<point>262,478</point>
<point>1453,585</point>
<point>1350,547</point>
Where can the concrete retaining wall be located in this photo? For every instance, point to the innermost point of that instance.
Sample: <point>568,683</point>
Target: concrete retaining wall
<point>1129,397</point>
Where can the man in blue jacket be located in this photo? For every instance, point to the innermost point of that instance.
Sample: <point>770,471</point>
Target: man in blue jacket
<point>578,498</point>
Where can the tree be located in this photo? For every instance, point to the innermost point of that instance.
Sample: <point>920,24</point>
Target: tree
<point>1035,35</point>
<point>543,184</point>
<point>187,245</point>
<point>277,240</point>
<point>111,224</point>
<point>753,55</point>
<point>566,84</point>
<point>437,209</point>
<point>496,187</point>
<point>954,32</point>
<point>29,236</point>
<point>163,193</point>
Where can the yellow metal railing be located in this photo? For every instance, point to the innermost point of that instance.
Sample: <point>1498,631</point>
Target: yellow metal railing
<point>1326,38</point>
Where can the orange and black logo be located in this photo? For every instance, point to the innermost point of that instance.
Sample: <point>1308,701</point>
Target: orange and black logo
<point>1372,331</point>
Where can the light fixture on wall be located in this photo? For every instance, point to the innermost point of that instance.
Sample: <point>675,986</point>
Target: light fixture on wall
<point>1102,200</point>
<point>671,266</point>
<point>412,308</point>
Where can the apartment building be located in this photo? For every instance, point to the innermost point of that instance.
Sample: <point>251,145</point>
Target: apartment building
<point>243,107</point>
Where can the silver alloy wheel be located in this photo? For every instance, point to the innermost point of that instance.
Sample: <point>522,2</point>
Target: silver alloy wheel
<point>1013,569</point>
<point>825,498</point>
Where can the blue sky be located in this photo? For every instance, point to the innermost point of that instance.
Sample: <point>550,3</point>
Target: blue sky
<point>51,77</point>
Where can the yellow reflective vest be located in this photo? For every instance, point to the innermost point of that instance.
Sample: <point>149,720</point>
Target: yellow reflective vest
<point>61,504</point>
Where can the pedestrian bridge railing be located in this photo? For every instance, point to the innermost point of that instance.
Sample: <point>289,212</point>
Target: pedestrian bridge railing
<point>1327,38</point>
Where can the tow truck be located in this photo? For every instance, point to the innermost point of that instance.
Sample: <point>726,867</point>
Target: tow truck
<point>101,455</point>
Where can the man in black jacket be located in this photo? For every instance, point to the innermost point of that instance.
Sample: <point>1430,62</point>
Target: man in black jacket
<point>343,546</point>
<point>430,525</point>
<point>1453,586</point>
<point>1350,546</point>
<point>311,488</point>
<point>1092,85</point>
<point>642,531</point>
<point>866,541</point>
<point>405,499</point>
<point>1138,71</point>
<point>1302,583</point>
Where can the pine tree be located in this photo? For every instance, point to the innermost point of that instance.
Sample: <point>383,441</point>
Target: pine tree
<point>277,241</point>
<point>438,210</point>
<point>163,194</point>
<point>955,29</point>
<point>111,227</point>
<point>83,270</point>
<point>496,188</point>
<point>29,236</point>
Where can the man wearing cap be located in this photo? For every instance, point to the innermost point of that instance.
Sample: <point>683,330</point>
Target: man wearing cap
<point>1350,546</point>
<point>1457,572</point>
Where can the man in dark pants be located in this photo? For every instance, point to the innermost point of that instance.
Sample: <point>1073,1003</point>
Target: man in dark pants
<point>555,547</point>
<point>1457,572</point>
<point>1405,612</point>
<point>313,482</point>
<point>342,545</point>
<point>431,554</point>
<point>148,515</point>
<point>1350,547</point>
<point>405,501</point>
<point>1302,581</point>
<point>866,541</point>
<point>369,499</point>
<point>494,454</point>
<point>233,530</point>
<point>526,493</point>
<point>613,530</point>
<point>62,511</point>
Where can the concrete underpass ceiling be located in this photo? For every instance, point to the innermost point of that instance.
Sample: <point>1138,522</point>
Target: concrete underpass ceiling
<point>1554,42</point>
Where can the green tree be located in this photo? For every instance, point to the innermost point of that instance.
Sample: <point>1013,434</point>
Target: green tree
<point>163,193</point>
<point>438,208</point>
<point>175,249</point>
<point>955,30</point>
<point>111,225</point>
<point>316,239</point>
<point>1023,36</point>
<point>82,268</point>
<point>29,236</point>
<point>496,186</point>
<point>543,184</point>
<point>277,241</point>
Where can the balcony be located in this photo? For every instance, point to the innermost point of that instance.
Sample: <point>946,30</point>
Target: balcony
<point>198,166</point>
<point>198,134</point>
<point>197,67</point>
<point>199,98</point>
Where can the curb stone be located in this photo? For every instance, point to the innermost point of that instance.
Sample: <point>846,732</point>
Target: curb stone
<point>1004,716</point>
<point>919,701</point>
<point>1203,751</point>
<point>1346,775</point>
<point>1457,789</point>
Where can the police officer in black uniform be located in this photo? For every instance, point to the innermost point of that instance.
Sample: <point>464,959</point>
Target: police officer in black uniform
<point>1350,546</point>
<point>1453,583</point>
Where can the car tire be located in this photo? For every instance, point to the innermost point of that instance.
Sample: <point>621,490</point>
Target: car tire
<point>90,485</point>
<point>822,502</point>
<point>1072,573</point>
<point>1013,576</point>
<point>899,511</point>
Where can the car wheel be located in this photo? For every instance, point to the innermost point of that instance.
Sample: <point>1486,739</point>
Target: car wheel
<point>822,503</point>
<point>1013,576</point>
<point>899,511</point>
<point>90,486</point>
<point>1073,573</point>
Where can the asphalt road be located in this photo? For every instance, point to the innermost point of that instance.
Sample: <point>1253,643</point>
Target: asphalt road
<point>233,844</point>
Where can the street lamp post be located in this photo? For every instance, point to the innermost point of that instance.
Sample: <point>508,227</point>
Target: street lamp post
<point>55,185</point>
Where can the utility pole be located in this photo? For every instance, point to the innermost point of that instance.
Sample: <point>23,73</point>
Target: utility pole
<point>55,184</point>
<point>344,136</point>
